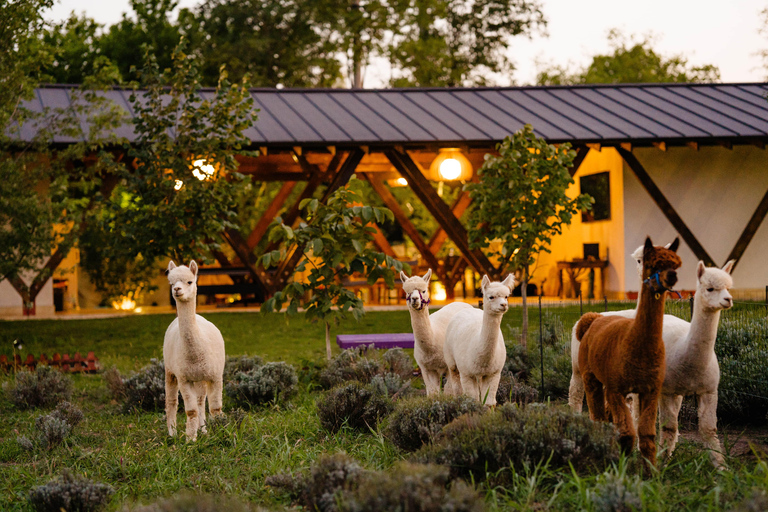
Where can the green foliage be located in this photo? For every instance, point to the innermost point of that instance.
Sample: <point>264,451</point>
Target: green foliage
<point>145,390</point>
<point>357,406</point>
<point>416,421</point>
<point>479,446</point>
<point>632,61</point>
<point>183,139</point>
<point>71,494</point>
<point>336,243</point>
<point>450,43</point>
<point>618,493</point>
<point>235,365</point>
<point>45,387</point>
<point>271,382</point>
<point>188,502</point>
<point>520,199</point>
<point>411,487</point>
<point>513,391</point>
<point>363,365</point>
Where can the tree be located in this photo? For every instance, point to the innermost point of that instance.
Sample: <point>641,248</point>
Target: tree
<point>76,51</point>
<point>182,189</point>
<point>273,41</point>
<point>520,201</point>
<point>335,241</point>
<point>632,61</point>
<point>45,193</point>
<point>450,43</point>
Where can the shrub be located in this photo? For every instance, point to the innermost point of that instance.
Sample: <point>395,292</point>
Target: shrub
<point>350,365</point>
<point>232,419</point>
<point>557,371</point>
<point>481,445</point>
<point>146,389</point>
<point>392,385</point>
<point>268,383</point>
<point>188,502</point>
<point>357,406</point>
<point>617,493</point>
<point>45,387</point>
<point>69,413</point>
<point>411,487</point>
<point>517,360</point>
<point>416,421</point>
<point>52,430</point>
<point>238,364</point>
<point>70,494</point>
<point>755,502</point>
<point>511,390</point>
<point>399,362</point>
<point>321,488</point>
<point>114,382</point>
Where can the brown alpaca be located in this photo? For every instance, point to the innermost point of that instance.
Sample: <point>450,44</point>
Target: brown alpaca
<point>621,355</point>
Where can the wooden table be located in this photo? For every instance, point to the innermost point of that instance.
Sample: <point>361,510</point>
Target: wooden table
<point>574,269</point>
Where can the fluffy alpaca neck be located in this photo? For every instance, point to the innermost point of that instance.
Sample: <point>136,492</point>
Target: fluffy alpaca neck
<point>489,334</point>
<point>648,325</point>
<point>700,341</point>
<point>188,328</point>
<point>422,327</point>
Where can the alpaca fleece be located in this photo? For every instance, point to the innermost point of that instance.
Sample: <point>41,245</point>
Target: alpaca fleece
<point>619,356</point>
<point>193,353</point>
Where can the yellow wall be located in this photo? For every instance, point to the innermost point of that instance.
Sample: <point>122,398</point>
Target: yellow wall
<point>608,233</point>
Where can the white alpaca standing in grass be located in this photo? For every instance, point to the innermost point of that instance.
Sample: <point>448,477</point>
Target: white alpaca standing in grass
<point>691,364</point>
<point>428,330</point>
<point>474,346</point>
<point>193,354</point>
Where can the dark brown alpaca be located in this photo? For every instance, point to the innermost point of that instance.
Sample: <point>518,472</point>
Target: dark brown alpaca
<point>621,355</point>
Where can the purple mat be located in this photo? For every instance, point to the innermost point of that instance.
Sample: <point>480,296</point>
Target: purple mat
<point>391,340</point>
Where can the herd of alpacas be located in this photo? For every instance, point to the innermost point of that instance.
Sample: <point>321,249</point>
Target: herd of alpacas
<point>633,366</point>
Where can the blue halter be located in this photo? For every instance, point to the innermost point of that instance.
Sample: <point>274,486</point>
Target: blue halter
<point>424,302</point>
<point>655,284</point>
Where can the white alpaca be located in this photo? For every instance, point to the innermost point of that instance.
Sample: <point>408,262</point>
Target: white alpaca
<point>691,364</point>
<point>428,330</point>
<point>474,346</point>
<point>193,353</point>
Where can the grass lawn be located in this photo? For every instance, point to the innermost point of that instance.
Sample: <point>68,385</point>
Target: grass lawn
<point>133,453</point>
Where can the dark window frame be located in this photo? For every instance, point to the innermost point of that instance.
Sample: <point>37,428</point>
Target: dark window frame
<point>603,209</point>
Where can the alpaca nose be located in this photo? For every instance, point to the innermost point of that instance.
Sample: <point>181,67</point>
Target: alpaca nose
<point>671,278</point>
<point>729,300</point>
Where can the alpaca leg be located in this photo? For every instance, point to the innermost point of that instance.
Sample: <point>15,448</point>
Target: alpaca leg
<point>214,397</point>
<point>669,409</point>
<point>649,406</point>
<point>708,428</point>
<point>622,418</point>
<point>576,392</point>
<point>200,391</point>
<point>431,382</point>
<point>470,387</point>
<point>447,388</point>
<point>488,387</point>
<point>595,397</point>
<point>455,378</point>
<point>188,393</point>
<point>171,402</point>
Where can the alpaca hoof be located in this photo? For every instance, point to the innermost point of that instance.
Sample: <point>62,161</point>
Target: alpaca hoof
<point>171,431</point>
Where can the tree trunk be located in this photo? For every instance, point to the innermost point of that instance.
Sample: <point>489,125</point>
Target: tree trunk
<point>328,340</point>
<point>27,293</point>
<point>524,295</point>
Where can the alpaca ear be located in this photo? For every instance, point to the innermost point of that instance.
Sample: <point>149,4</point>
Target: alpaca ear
<point>728,267</point>
<point>648,246</point>
<point>509,282</point>
<point>675,245</point>
<point>427,276</point>
<point>485,282</point>
<point>700,268</point>
<point>193,267</point>
<point>403,277</point>
<point>171,266</point>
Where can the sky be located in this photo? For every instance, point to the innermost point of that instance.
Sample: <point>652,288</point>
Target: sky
<point>723,33</point>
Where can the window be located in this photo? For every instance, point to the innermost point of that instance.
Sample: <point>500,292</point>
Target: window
<point>599,187</point>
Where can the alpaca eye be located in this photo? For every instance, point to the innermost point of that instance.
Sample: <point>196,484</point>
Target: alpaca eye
<point>490,298</point>
<point>189,282</point>
<point>710,289</point>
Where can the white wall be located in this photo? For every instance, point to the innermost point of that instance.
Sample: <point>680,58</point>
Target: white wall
<point>11,304</point>
<point>715,191</point>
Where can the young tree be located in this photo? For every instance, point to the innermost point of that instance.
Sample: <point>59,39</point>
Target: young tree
<point>632,61</point>
<point>336,243</point>
<point>46,193</point>
<point>182,189</point>
<point>520,201</point>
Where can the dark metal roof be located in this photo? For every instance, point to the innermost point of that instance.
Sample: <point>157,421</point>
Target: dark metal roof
<point>606,114</point>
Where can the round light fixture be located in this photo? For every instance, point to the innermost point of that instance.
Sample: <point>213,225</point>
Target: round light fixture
<point>450,169</point>
<point>450,164</point>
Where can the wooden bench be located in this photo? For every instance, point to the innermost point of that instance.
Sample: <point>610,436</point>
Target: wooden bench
<point>388,340</point>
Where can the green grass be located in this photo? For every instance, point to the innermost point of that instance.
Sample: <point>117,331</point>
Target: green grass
<point>133,453</point>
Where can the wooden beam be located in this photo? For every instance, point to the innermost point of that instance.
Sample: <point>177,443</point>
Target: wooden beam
<point>581,154</point>
<point>626,145</point>
<point>693,145</point>
<point>437,207</point>
<point>660,145</point>
<point>666,208</point>
<point>381,241</point>
<point>725,144</point>
<point>749,231</point>
<point>594,145</point>
<point>759,143</point>
<point>270,213</point>
<point>246,256</point>
<point>405,223</point>
<point>458,209</point>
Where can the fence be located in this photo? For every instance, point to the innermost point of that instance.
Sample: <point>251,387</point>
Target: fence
<point>741,347</point>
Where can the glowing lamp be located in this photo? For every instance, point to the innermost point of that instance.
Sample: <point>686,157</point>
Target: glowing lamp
<point>202,170</point>
<point>450,165</point>
<point>399,182</point>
